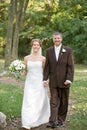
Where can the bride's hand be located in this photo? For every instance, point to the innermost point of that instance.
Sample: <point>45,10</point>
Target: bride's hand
<point>22,73</point>
<point>45,83</point>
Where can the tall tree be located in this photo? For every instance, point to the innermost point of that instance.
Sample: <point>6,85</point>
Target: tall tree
<point>17,10</point>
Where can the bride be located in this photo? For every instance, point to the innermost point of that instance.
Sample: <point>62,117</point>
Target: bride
<point>35,107</point>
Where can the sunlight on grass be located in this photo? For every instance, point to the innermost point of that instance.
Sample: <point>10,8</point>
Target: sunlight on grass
<point>80,67</point>
<point>2,61</point>
<point>3,91</point>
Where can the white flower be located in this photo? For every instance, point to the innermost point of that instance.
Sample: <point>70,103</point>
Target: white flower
<point>16,67</point>
<point>63,50</point>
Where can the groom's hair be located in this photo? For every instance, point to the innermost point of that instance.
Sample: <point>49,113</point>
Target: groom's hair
<point>57,33</point>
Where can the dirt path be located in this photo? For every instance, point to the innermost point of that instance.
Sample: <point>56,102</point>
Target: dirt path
<point>11,80</point>
<point>15,123</point>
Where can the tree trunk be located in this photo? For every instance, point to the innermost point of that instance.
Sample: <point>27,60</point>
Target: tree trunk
<point>8,47</point>
<point>14,54</point>
<point>16,15</point>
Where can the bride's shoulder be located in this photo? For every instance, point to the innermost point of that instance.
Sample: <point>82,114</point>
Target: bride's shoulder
<point>43,58</point>
<point>26,57</point>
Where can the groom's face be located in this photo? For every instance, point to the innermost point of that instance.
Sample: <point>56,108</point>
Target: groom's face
<point>57,39</point>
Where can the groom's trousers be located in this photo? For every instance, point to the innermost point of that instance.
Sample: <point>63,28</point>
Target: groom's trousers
<point>59,98</point>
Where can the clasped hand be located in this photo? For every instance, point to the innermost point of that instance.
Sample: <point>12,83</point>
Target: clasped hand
<point>45,83</point>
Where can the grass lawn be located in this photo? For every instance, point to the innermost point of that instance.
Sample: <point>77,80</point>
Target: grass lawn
<point>11,99</point>
<point>78,118</point>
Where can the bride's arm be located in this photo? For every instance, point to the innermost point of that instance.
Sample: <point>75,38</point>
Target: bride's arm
<point>43,61</point>
<point>45,82</point>
<point>25,63</point>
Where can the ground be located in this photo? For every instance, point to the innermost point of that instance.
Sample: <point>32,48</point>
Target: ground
<point>15,123</point>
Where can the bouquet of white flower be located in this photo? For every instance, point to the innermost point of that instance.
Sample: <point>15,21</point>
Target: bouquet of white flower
<point>16,67</point>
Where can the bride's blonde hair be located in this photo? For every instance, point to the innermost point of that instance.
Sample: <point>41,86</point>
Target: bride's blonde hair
<point>36,40</point>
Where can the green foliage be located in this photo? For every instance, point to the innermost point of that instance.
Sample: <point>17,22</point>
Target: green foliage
<point>71,20</point>
<point>1,51</point>
<point>43,18</point>
<point>3,21</point>
<point>3,26</point>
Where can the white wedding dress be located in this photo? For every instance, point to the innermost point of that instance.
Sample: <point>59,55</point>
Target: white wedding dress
<point>35,107</point>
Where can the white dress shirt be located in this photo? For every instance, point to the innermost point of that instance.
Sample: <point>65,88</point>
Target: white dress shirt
<point>57,51</point>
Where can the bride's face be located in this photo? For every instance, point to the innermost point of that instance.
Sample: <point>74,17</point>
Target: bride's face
<point>36,46</point>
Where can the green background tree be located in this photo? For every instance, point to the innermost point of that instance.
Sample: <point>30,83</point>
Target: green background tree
<point>41,20</point>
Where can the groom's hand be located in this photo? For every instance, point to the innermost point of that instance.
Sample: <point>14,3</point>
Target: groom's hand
<point>67,82</point>
<point>45,83</point>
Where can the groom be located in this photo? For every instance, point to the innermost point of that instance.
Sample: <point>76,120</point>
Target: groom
<point>59,68</point>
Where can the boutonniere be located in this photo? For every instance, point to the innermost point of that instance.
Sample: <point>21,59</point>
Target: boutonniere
<point>63,51</point>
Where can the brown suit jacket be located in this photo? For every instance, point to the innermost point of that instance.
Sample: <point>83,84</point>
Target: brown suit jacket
<point>59,71</point>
